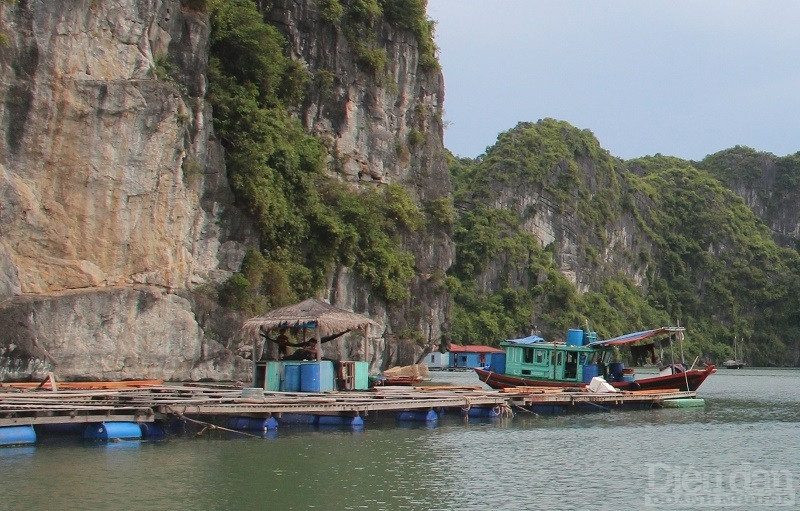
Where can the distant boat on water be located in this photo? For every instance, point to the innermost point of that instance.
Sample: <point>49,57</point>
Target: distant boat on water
<point>736,362</point>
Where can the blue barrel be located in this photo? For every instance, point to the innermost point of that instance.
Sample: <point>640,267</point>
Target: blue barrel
<point>418,416</point>
<point>112,431</point>
<point>478,411</point>
<point>589,372</point>
<point>291,378</point>
<point>339,420</point>
<point>17,435</point>
<point>316,376</point>
<point>574,337</point>
<point>153,429</point>
<point>298,418</point>
<point>253,423</point>
<point>615,370</point>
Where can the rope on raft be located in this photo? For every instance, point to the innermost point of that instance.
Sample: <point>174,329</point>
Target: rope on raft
<point>208,425</point>
<point>504,410</point>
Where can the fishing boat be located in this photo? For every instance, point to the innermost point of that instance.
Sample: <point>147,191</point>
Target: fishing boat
<point>735,362</point>
<point>531,361</point>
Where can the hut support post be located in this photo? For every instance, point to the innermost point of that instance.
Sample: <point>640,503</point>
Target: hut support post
<point>255,361</point>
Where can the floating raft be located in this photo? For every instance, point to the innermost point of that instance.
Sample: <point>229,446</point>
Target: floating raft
<point>159,402</point>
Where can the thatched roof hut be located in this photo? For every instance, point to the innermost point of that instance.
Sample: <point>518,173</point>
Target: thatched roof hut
<point>312,313</point>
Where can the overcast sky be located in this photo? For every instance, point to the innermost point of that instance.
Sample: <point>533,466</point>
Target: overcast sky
<point>683,78</point>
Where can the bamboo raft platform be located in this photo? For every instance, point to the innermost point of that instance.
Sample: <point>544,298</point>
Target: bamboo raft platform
<point>151,401</point>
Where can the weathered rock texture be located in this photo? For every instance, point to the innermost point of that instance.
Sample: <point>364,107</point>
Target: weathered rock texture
<point>767,183</point>
<point>367,122</point>
<point>116,219</point>
<point>114,198</point>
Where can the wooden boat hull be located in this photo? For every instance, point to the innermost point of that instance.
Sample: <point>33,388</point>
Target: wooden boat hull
<point>396,380</point>
<point>679,381</point>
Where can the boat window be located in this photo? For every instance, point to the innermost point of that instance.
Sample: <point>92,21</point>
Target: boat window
<point>571,368</point>
<point>582,359</point>
<point>539,356</point>
<point>559,358</point>
<point>528,355</point>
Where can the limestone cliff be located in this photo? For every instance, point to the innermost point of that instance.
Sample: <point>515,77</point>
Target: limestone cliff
<point>768,185</point>
<point>116,218</point>
<point>114,197</point>
<point>367,123</point>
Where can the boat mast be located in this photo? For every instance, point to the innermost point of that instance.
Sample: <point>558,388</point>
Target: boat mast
<point>680,340</point>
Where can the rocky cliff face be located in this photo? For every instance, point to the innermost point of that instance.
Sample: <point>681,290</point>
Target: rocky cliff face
<point>114,197</point>
<point>572,204</point>
<point>768,185</point>
<point>116,219</point>
<point>367,123</point>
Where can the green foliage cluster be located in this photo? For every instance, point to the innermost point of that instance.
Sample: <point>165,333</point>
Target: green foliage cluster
<point>555,158</point>
<point>308,222</point>
<point>358,17</point>
<point>772,183</point>
<point>411,15</point>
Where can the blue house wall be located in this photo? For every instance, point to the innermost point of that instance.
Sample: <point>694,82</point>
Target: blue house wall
<point>466,359</point>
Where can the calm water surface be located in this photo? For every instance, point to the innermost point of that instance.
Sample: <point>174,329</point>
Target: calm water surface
<point>740,452</point>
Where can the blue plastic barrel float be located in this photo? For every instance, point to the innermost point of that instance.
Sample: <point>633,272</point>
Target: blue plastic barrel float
<point>340,420</point>
<point>302,419</point>
<point>482,411</point>
<point>574,337</point>
<point>17,435</point>
<point>153,430</point>
<point>112,431</point>
<point>418,416</point>
<point>253,423</point>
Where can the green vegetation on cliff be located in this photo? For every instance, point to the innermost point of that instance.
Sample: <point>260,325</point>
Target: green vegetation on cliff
<point>704,258</point>
<point>308,222</point>
<point>357,19</point>
<point>538,169</point>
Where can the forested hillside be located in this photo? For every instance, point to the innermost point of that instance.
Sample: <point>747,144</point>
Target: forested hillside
<point>546,212</point>
<point>172,168</point>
